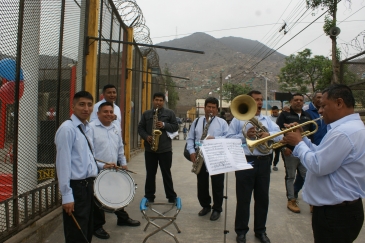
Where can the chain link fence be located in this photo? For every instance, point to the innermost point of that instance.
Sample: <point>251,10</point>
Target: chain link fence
<point>42,65</point>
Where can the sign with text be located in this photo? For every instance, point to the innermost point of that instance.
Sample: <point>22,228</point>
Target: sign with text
<point>224,155</point>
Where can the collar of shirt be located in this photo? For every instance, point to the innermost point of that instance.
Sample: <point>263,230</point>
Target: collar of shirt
<point>76,122</point>
<point>335,124</point>
<point>98,123</point>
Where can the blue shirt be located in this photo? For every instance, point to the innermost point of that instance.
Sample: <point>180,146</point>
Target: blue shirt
<point>107,142</point>
<point>336,167</point>
<point>74,160</point>
<point>118,121</point>
<point>235,131</point>
<point>322,127</point>
<point>218,129</point>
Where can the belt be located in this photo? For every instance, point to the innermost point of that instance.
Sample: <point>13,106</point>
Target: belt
<point>258,157</point>
<point>346,203</point>
<point>84,182</point>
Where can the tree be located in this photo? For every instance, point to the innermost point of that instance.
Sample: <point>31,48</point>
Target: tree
<point>173,95</point>
<point>303,73</point>
<point>329,22</point>
<point>230,91</point>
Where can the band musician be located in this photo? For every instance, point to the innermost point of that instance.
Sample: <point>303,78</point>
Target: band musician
<point>209,126</point>
<point>108,146</point>
<point>256,179</point>
<point>335,182</point>
<point>163,120</point>
<point>76,170</point>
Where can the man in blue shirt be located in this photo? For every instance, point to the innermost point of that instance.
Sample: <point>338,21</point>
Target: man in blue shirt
<point>108,145</point>
<point>218,128</point>
<point>256,180</point>
<point>335,181</point>
<point>77,169</point>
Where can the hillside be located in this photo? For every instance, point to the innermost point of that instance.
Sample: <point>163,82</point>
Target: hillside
<point>231,55</point>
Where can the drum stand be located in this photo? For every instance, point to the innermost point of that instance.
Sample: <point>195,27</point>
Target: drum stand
<point>225,232</point>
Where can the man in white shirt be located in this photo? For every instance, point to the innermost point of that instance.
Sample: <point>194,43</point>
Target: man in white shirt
<point>108,146</point>
<point>110,95</point>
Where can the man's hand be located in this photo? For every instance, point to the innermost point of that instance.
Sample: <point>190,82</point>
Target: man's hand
<point>264,134</point>
<point>124,167</point>
<point>109,166</point>
<point>251,133</point>
<point>287,152</point>
<point>292,125</point>
<point>293,138</point>
<point>159,124</point>
<point>149,139</point>
<point>68,207</point>
<point>193,157</point>
<point>210,137</point>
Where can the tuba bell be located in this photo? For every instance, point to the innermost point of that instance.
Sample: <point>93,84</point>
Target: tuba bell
<point>244,107</point>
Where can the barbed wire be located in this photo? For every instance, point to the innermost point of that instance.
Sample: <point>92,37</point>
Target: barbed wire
<point>354,46</point>
<point>132,16</point>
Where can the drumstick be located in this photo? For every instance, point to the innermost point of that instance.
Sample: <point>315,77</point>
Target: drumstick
<point>104,162</point>
<point>78,226</point>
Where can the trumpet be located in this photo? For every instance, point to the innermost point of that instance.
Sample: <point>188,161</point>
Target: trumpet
<point>251,144</point>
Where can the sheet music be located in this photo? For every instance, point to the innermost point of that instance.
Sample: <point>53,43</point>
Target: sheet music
<point>224,155</point>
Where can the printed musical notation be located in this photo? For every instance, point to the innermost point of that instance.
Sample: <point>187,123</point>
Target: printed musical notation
<point>224,155</point>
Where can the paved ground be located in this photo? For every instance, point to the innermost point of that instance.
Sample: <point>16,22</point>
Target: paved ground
<point>282,226</point>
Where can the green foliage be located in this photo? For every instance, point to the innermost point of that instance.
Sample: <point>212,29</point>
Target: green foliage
<point>230,91</point>
<point>173,95</point>
<point>304,74</point>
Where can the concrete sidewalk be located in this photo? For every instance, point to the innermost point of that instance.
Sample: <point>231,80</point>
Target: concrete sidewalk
<point>282,225</point>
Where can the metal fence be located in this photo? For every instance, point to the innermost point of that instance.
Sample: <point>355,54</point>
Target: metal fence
<point>42,64</point>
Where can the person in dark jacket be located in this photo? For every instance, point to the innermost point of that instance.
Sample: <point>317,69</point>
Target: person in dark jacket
<point>166,123</point>
<point>292,164</point>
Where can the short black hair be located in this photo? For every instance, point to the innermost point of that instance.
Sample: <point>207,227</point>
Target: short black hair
<point>159,94</point>
<point>274,108</point>
<point>342,91</point>
<point>109,86</point>
<point>253,92</point>
<point>105,104</point>
<point>296,94</point>
<point>82,94</point>
<point>211,100</point>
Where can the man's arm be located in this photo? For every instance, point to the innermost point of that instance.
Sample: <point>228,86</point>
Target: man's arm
<point>235,130</point>
<point>121,157</point>
<point>190,138</point>
<point>64,142</point>
<point>172,125</point>
<point>142,130</point>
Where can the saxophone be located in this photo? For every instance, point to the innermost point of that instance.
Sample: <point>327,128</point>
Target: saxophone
<point>156,133</point>
<point>197,165</point>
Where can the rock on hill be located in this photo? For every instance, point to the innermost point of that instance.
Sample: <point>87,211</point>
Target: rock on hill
<point>229,55</point>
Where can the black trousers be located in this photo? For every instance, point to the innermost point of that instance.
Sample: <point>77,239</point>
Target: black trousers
<point>337,224</point>
<point>83,193</point>
<point>99,216</point>
<point>258,181</point>
<point>217,189</point>
<point>152,161</point>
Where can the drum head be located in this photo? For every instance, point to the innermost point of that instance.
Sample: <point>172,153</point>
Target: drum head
<point>114,189</point>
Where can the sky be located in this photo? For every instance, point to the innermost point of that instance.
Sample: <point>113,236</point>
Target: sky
<point>258,20</point>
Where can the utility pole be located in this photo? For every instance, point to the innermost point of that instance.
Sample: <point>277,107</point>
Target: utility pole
<point>220,97</point>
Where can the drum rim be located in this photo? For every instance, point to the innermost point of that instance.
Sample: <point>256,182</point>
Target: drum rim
<point>98,195</point>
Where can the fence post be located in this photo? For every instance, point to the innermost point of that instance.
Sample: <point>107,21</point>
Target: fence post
<point>128,96</point>
<point>92,54</point>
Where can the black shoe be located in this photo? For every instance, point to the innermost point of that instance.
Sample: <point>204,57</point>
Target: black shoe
<point>128,222</point>
<point>215,215</point>
<point>262,237</point>
<point>151,200</point>
<point>241,238</point>
<point>101,233</point>
<point>204,211</point>
<point>172,200</point>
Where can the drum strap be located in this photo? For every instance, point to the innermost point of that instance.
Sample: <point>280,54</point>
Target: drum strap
<point>88,143</point>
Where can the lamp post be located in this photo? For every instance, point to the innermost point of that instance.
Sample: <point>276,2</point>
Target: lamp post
<point>264,76</point>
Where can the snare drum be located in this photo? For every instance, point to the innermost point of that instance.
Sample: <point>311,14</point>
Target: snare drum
<point>113,189</point>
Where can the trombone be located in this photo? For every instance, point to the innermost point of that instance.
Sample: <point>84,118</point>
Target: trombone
<point>251,144</point>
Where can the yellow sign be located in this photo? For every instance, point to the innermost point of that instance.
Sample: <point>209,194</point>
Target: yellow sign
<point>45,174</point>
